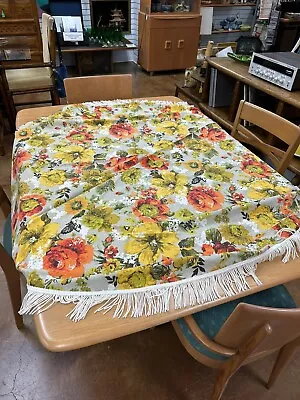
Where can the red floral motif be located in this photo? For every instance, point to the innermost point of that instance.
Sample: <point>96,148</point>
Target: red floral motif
<point>213,134</point>
<point>153,162</point>
<point>110,252</point>
<point>68,257</point>
<point>205,199</point>
<point>122,130</point>
<point>118,164</point>
<point>170,278</point>
<point>19,159</point>
<point>196,110</point>
<point>79,136</point>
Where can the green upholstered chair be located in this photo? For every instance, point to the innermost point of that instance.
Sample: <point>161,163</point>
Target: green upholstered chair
<point>7,263</point>
<point>238,332</point>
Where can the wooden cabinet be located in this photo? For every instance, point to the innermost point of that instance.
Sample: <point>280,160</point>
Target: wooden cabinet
<point>21,21</point>
<point>168,41</point>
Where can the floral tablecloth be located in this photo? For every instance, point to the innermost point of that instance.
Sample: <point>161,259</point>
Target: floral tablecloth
<point>127,203</point>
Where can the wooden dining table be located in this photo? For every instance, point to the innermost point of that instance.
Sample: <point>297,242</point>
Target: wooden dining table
<point>58,333</point>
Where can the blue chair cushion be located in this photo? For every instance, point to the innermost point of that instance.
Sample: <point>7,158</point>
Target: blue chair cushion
<point>211,320</point>
<point>7,241</point>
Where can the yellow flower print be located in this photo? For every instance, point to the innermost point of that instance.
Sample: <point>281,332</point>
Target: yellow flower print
<point>76,205</point>
<point>100,218</point>
<point>136,277</point>
<point>199,145</point>
<point>36,238</point>
<point>263,217</point>
<point>53,178</point>
<point>236,234</point>
<point>111,265</point>
<point>74,153</point>
<point>105,142</point>
<point>172,128</point>
<point>193,165</point>
<point>260,189</point>
<point>150,242</point>
<point>136,150</point>
<point>169,183</point>
<point>40,141</point>
<point>95,177</point>
<point>184,215</point>
<point>217,173</point>
<point>131,176</point>
<point>163,145</point>
<point>177,108</point>
<point>227,145</point>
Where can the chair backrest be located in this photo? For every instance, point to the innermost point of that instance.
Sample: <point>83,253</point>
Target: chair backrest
<point>247,319</point>
<point>48,38</point>
<point>103,87</point>
<point>273,124</point>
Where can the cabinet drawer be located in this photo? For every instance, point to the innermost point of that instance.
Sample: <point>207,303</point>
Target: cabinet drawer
<point>177,22</point>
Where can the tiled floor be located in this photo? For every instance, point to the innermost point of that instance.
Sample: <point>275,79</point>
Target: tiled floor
<point>145,366</point>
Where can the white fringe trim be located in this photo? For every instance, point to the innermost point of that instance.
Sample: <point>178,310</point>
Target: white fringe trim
<point>158,299</point>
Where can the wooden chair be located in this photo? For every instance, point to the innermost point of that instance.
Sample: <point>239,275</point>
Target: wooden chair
<point>249,333</point>
<point>276,126</point>
<point>7,263</point>
<point>25,78</point>
<point>93,88</point>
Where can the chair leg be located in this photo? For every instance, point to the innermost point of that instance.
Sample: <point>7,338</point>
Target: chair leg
<point>236,361</point>
<point>14,285</point>
<point>2,151</point>
<point>54,97</point>
<point>284,357</point>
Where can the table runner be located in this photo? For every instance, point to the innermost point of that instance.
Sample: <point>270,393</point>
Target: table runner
<point>134,205</point>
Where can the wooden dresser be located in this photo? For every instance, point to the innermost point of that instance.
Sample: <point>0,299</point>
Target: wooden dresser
<point>168,40</point>
<point>22,21</point>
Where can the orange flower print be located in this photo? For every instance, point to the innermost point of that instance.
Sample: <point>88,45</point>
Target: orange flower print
<point>67,258</point>
<point>79,136</point>
<point>23,133</point>
<point>31,204</point>
<point>256,168</point>
<point>119,164</point>
<point>153,162</point>
<point>150,210</point>
<point>205,199</point>
<point>213,134</point>
<point>207,250</point>
<point>19,159</point>
<point>122,130</point>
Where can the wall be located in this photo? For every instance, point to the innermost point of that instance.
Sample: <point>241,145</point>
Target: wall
<point>119,56</point>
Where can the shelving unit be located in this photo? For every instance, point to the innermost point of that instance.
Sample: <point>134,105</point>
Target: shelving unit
<point>220,11</point>
<point>229,31</point>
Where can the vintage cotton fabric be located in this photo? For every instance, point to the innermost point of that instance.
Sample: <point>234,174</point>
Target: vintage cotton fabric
<point>131,196</point>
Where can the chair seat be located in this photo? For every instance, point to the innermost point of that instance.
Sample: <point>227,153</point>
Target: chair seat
<point>7,241</point>
<point>211,320</point>
<point>29,78</point>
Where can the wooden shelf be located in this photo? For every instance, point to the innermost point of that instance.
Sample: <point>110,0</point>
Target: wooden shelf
<point>232,31</point>
<point>218,114</point>
<point>173,14</point>
<point>229,5</point>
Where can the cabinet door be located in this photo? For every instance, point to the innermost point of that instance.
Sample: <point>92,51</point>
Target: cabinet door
<point>186,47</point>
<point>161,51</point>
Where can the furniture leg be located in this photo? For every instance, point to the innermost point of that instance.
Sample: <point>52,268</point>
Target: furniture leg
<point>111,64</point>
<point>2,152</point>
<point>78,64</point>
<point>284,357</point>
<point>236,361</point>
<point>176,91</point>
<point>14,285</point>
<point>235,101</point>
<point>206,85</point>
<point>54,97</point>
